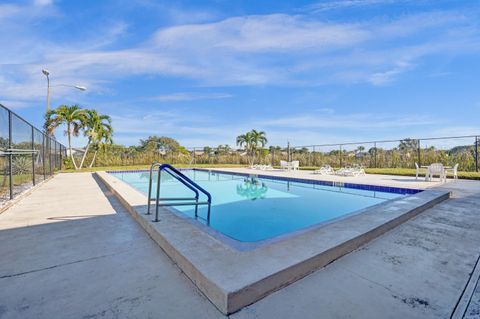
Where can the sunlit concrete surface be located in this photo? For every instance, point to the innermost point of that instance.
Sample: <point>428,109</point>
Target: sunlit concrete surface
<point>69,250</point>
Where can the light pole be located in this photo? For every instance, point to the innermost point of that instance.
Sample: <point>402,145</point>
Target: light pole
<point>47,73</point>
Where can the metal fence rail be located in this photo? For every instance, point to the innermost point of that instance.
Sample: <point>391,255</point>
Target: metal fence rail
<point>27,155</point>
<point>403,153</point>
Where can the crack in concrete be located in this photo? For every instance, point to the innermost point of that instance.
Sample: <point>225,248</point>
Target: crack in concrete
<point>56,266</point>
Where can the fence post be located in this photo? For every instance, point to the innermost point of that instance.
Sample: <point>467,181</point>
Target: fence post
<point>375,154</point>
<point>44,148</point>
<point>50,155</point>
<point>476,153</point>
<point>33,156</point>
<point>418,153</point>
<point>10,156</point>
<point>288,151</point>
<point>341,157</point>
<point>194,157</point>
<point>314,161</point>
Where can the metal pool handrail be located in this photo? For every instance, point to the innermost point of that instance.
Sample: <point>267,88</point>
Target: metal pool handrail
<point>186,181</point>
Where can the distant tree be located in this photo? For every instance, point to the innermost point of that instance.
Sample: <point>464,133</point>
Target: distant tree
<point>98,129</point>
<point>71,116</point>
<point>207,150</point>
<point>252,141</point>
<point>153,143</point>
<point>360,149</point>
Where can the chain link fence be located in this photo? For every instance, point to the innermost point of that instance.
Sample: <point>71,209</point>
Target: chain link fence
<point>402,153</point>
<point>27,155</point>
<point>393,153</point>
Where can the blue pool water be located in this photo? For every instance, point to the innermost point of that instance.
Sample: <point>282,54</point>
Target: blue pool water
<point>251,210</point>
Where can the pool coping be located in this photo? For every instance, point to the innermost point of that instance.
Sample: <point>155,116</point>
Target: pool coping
<point>233,279</point>
<point>242,245</point>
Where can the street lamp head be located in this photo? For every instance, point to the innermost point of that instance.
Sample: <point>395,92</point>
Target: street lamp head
<point>45,71</point>
<point>81,88</point>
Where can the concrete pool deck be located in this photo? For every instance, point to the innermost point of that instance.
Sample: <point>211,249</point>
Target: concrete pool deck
<point>78,254</point>
<point>218,268</point>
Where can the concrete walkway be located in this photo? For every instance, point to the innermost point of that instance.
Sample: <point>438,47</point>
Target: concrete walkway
<point>69,250</point>
<point>417,270</point>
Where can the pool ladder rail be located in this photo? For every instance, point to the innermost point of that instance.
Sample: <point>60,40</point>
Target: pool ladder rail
<point>176,201</point>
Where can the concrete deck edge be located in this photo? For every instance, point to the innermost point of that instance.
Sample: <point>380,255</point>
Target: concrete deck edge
<point>466,297</point>
<point>306,267</point>
<point>214,293</point>
<point>228,301</point>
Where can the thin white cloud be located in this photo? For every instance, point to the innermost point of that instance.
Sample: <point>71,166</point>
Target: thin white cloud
<point>191,96</point>
<point>347,121</point>
<point>382,78</point>
<point>43,2</point>
<point>275,32</point>
<point>343,4</point>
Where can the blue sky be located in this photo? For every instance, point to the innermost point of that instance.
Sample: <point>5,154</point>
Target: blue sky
<point>309,72</point>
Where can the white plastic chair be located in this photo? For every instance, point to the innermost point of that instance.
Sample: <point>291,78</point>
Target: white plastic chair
<point>454,171</point>
<point>436,169</point>
<point>295,165</point>
<point>417,170</point>
<point>284,165</point>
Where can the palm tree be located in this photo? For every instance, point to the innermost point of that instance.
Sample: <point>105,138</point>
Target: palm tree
<point>72,116</point>
<point>93,125</point>
<point>252,141</point>
<point>103,138</point>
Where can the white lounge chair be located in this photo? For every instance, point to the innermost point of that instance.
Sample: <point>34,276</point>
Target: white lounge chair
<point>454,171</point>
<point>324,170</point>
<point>436,169</point>
<point>351,171</point>
<point>266,167</point>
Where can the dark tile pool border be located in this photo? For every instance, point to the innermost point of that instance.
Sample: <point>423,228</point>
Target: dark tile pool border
<point>375,188</point>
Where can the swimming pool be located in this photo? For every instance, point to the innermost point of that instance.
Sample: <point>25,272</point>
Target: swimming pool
<point>255,208</point>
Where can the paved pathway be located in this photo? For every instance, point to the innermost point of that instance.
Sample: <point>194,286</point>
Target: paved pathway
<point>417,270</point>
<point>68,251</point>
<point>78,254</point>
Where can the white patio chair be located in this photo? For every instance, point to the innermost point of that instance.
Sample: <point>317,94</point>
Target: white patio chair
<point>454,171</point>
<point>284,165</point>
<point>295,165</point>
<point>436,169</point>
<point>417,170</point>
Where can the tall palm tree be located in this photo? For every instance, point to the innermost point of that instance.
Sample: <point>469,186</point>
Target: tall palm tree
<point>94,125</point>
<point>103,138</point>
<point>252,141</point>
<point>72,116</point>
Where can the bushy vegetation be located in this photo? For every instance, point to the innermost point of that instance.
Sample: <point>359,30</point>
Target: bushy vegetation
<point>100,150</point>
